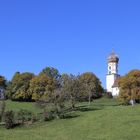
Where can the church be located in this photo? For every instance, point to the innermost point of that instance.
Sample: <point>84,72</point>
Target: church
<point>112,75</point>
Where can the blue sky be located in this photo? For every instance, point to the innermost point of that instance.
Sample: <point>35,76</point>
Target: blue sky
<point>74,36</point>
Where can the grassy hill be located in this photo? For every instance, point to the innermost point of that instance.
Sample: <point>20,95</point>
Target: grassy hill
<point>104,120</point>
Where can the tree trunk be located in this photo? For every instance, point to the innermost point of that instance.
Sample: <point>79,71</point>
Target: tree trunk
<point>89,99</point>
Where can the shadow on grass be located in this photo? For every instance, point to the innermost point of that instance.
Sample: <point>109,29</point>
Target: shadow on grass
<point>72,113</point>
<point>87,108</point>
<point>70,116</point>
<point>106,105</point>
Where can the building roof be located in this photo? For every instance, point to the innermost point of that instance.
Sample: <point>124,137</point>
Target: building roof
<point>113,57</point>
<point>116,83</point>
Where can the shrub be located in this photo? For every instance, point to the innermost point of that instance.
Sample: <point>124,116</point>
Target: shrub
<point>33,119</point>
<point>23,116</point>
<point>9,119</point>
<point>2,110</point>
<point>48,116</point>
<point>123,101</point>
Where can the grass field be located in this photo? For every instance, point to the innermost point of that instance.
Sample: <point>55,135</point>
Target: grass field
<point>105,120</point>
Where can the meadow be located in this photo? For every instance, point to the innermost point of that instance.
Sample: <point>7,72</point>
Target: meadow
<point>105,119</point>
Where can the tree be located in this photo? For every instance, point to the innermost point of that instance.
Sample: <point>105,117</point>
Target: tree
<point>130,87</point>
<point>71,88</point>
<point>3,85</point>
<point>2,109</point>
<point>9,119</point>
<point>54,105</point>
<point>91,85</point>
<point>3,82</point>
<point>57,101</point>
<point>41,86</point>
<point>18,88</point>
<point>51,72</point>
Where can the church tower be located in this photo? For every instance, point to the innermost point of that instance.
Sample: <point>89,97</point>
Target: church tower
<point>112,74</point>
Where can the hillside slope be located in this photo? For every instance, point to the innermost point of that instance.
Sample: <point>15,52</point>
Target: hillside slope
<point>105,120</point>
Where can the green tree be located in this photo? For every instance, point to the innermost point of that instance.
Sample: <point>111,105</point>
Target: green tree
<point>51,72</point>
<point>57,101</point>
<point>2,109</point>
<point>70,88</point>
<point>91,85</point>
<point>9,119</point>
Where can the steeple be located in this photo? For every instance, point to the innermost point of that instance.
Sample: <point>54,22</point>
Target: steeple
<point>113,57</point>
<point>112,73</point>
<point>113,60</point>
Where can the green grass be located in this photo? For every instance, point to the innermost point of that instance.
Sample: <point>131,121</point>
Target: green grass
<point>105,120</point>
<point>16,106</point>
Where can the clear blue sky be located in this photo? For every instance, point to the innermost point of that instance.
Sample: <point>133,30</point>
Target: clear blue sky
<point>74,36</point>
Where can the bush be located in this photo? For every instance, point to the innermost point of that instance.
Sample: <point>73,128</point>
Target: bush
<point>2,110</point>
<point>9,119</point>
<point>48,116</point>
<point>23,116</point>
<point>33,119</point>
<point>123,101</point>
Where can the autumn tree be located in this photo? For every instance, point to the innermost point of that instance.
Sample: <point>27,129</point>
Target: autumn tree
<point>18,87</point>
<point>3,82</point>
<point>41,87</point>
<point>130,87</point>
<point>3,85</point>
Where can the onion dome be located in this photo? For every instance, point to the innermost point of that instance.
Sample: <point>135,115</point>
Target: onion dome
<point>113,58</point>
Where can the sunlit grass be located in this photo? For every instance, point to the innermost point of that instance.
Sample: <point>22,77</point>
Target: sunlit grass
<point>105,120</point>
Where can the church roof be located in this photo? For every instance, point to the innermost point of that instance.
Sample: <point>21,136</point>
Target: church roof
<point>116,83</point>
<point>113,57</point>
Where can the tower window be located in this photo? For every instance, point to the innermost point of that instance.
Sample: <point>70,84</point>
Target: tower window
<point>109,67</point>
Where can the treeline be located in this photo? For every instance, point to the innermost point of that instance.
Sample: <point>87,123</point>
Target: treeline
<point>57,94</point>
<point>50,84</point>
<point>30,87</point>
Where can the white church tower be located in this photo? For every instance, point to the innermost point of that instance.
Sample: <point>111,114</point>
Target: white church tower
<point>112,75</point>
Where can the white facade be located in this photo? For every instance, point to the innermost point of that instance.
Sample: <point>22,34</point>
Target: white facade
<point>115,91</point>
<point>112,75</point>
<point>110,80</point>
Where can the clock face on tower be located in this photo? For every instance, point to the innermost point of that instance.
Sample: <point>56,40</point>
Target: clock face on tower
<point>112,68</point>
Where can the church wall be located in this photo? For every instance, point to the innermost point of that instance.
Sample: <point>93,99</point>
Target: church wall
<point>115,91</point>
<point>110,79</point>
